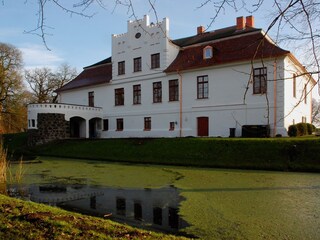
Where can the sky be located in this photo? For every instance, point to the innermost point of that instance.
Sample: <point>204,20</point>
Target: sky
<point>81,41</point>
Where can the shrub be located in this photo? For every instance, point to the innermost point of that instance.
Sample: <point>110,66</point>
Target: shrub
<point>310,128</point>
<point>292,131</point>
<point>302,129</point>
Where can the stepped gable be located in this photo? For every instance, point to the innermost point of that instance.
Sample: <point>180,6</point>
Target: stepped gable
<point>229,45</point>
<point>98,73</point>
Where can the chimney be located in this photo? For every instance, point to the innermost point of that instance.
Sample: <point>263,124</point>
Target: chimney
<point>240,23</point>
<point>250,21</point>
<point>200,30</point>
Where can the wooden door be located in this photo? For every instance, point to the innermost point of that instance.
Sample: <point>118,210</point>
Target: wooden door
<point>203,126</point>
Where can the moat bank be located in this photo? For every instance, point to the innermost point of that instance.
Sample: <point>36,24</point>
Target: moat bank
<point>284,154</point>
<point>210,203</point>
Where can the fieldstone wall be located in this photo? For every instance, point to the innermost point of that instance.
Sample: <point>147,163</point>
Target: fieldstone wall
<point>51,126</point>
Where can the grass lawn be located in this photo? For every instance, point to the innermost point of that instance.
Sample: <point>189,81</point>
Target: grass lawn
<point>27,220</point>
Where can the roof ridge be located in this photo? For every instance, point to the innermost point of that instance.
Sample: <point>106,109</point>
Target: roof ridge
<point>213,35</point>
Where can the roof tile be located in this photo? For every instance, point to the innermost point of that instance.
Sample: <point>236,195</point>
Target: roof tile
<point>92,75</point>
<point>241,48</point>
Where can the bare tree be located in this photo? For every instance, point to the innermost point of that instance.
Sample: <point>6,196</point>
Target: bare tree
<point>64,74</point>
<point>43,82</point>
<point>15,118</point>
<point>315,112</point>
<point>11,84</point>
<point>10,72</point>
<point>293,21</point>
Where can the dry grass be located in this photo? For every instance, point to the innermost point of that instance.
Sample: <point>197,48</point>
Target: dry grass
<point>3,163</point>
<point>16,176</point>
<point>9,176</point>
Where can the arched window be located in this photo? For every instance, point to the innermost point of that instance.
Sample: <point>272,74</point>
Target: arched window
<point>207,52</point>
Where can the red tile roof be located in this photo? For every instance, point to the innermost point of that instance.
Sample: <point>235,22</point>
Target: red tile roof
<point>229,45</point>
<point>95,74</point>
<point>213,35</point>
<point>243,47</point>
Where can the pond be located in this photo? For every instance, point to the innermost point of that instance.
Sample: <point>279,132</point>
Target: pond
<point>206,203</point>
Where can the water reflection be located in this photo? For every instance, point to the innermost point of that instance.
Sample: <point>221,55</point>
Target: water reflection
<point>152,208</point>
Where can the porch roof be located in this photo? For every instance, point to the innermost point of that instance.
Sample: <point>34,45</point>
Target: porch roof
<point>98,73</point>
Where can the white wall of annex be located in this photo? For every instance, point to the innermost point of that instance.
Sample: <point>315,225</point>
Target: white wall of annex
<point>80,96</point>
<point>295,107</point>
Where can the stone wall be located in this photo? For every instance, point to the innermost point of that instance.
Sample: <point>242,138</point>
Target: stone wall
<point>51,126</point>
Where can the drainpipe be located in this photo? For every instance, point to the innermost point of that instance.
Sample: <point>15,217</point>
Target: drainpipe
<point>275,98</point>
<point>180,103</point>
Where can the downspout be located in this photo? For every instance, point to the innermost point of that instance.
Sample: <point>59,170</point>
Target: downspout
<point>180,103</point>
<point>275,98</point>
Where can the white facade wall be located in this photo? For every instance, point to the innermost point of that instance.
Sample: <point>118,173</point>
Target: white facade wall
<point>230,104</point>
<point>133,115</point>
<point>154,38</point>
<point>225,106</point>
<point>80,96</point>
<point>295,106</point>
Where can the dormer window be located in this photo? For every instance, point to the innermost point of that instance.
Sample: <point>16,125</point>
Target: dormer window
<point>207,52</point>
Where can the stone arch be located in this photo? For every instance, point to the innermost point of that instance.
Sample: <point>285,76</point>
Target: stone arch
<point>94,127</point>
<point>77,127</point>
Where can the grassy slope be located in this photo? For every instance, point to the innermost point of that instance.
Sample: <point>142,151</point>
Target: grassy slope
<point>26,220</point>
<point>270,154</point>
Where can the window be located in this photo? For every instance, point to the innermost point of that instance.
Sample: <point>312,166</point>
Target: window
<point>138,35</point>
<point>155,60</point>
<point>119,124</point>
<point>173,90</point>
<point>294,82</point>
<point>105,124</point>
<point>207,52</point>
<point>202,87</point>
<point>119,96</point>
<point>121,68</point>
<point>260,80</point>
<point>147,123</point>
<point>304,119</point>
<point>157,92</point>
<point>91,99</point>
<point>157,215</point>
<point>137,64</point>
<point>171,126</point>
<point>137,211</point>
<point>121,206</point>
<point>33,123</point>
<point>173,217</point>
<point>137,94</point>
<point>93,202</point>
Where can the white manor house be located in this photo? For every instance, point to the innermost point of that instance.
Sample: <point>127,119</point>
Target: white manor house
<point>230,82</point>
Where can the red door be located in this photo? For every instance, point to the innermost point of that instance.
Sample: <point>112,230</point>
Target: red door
<point>203,126</point>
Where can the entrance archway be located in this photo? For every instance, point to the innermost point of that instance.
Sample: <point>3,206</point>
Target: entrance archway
<point>77,127</point>
<point>94,126</point>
